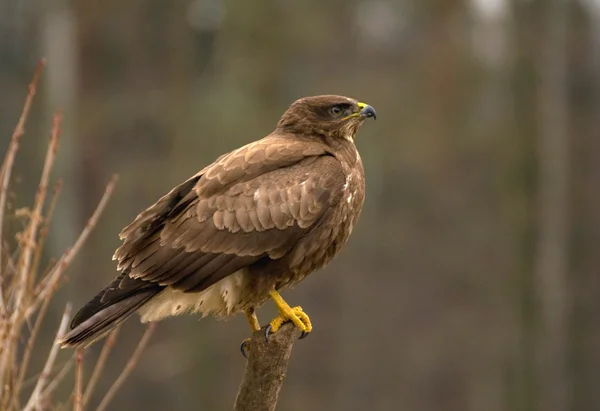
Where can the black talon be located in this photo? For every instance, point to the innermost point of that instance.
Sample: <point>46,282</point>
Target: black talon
<point>242,348</point>
<point>267,332</point>
<point>303,335</point>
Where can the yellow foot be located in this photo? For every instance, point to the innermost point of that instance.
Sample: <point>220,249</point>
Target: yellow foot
<point>295,315</point>
<point>286,313</point>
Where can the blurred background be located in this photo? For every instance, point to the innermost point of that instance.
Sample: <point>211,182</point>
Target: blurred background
<point>472,279</point>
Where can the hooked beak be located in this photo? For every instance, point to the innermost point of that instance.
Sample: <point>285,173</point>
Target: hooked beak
<point>367,111</point>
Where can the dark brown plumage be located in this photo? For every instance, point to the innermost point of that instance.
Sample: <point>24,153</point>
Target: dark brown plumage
<point>258,219</point>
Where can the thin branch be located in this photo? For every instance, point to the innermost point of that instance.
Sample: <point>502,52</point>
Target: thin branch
<point>108,345</point>
<point>14,144</point>
<point>32,379</point>
<point>35,399</point>
<point>27,245</point>
<point>265,370</point>
<point>128,368</point>
<point>29,239</point>
<point>30,343</point>
<point>5,174</point>
<point>59,377</point>
<point>78,400</point>
<point>46,302</point>
<point>56,273</point>
<point>44,231</point>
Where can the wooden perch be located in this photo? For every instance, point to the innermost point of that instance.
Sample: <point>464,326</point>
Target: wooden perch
<point>265,370</point>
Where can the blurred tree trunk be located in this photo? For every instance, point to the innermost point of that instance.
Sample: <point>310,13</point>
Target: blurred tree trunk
<point>551,258</point>
<point>584,89</point>
<point>59,39</point>
<point>521,179</point>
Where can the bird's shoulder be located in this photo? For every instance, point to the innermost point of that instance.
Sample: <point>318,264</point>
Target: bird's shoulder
<point>277,150</point>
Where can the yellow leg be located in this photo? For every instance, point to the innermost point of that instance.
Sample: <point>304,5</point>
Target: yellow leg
<point>287,313</point>
<point>252,319</point>
<point>255,325</point>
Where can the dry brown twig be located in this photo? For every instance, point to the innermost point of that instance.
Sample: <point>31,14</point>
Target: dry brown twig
<point>30,342</point>
<point>35,400</point>
<point>50,281</point>
<point>128,368</point>
<point>9,159</point>
<point>26,290</point>
<point>30,248</point>
<point>7,313</point>
<point>58,378</point>
<point>28,240</point>
<point>44,230</point>
<point>106,349</point>
<point>78,400</point>
<point>6,172</point>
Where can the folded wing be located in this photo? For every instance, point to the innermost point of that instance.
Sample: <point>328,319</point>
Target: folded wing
<point>251,204</point>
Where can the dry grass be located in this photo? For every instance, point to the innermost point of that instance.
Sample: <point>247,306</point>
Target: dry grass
<point>26,290</point>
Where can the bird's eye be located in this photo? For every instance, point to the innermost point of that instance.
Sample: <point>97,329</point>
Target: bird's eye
<point>336,110</point>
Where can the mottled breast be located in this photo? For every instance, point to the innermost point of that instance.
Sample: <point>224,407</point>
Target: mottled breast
<point>328,237</point>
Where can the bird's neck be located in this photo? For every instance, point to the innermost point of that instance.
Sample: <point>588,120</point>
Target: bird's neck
<point>340,146</point>
<point>344,149</point>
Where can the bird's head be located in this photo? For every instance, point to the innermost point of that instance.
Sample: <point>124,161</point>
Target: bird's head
<point>328,115</point>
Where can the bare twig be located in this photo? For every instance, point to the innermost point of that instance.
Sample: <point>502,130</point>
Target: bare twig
<point>108,345</point>
<point>265,370</point>
<point>35,218</point>
<point>55,274</point>
<point>44,232</point>
<point>29,238</point>
<point>14,143</point>
<point>26,291</point>
<point>30,342</point>
<point>77,401</point>
<point>57,379</point>
<point>28,276</point>
<point>27,245</point>
<point>35,399</point>
<point>32,379</point>
<point>128,368</point>
<point>5,174</point>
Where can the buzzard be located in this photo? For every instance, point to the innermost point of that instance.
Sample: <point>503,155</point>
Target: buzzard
<point>257,220</point>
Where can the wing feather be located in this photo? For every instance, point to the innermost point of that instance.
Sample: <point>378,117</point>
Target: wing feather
<point>253,203</point>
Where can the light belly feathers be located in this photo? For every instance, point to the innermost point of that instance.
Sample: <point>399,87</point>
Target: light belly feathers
<point>220,299</point>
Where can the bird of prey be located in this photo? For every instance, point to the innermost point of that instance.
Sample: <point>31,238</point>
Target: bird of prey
<point>257,220</point>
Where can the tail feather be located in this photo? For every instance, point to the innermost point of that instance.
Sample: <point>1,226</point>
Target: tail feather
<point>101,315</point>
